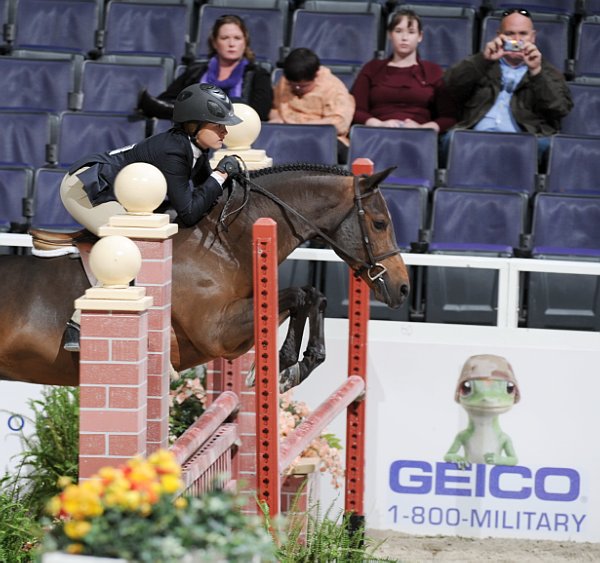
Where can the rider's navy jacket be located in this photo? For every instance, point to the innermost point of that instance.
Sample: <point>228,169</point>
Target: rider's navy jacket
<point>171,152</point>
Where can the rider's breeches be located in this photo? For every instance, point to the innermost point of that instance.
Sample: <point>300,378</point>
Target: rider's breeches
<point>79,206</point>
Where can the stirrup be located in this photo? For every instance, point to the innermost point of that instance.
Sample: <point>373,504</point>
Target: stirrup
<point>72,337</point>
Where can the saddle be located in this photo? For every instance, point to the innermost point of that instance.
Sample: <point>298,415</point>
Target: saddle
<point>50,244</point>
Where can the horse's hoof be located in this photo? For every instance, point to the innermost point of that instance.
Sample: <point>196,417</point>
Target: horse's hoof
<point>289,377</point>
<point>251,377</point>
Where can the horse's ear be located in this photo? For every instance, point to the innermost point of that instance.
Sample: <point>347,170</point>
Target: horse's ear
<point>371,182</point>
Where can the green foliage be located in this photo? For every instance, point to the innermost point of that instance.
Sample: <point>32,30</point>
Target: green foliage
<point>19,532</point>
<point>50,451</point>
<point>309,537</point>
<point>187,400</point>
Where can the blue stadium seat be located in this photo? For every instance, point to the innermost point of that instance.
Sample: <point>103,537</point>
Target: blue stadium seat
<point>265,26</point>
<point>412,151</point>
<point>114,85</point>
<point>492,160</point>
<point>31,83</point>
<point>553,36</point>
<point>584,118</point>
<point>591,8</point>
<point>15,186</point>
<point>60,25</point>
<point>48,209</point>
<point>84,133</point>
<point>337,38</point>
<point>568,7</point>
<point>573,165</point>
<point>474,4</point>
<point>150,28</point>
<point>565,227</point>
<point>28,138</point>
<point>587,44</point>
<point>286,142</point>
<point>479,222</point>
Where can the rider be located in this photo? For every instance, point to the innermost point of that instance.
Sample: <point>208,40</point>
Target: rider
<point>200,115</point>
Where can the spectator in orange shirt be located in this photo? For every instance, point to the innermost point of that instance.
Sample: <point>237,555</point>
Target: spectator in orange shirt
<point>310,93</point>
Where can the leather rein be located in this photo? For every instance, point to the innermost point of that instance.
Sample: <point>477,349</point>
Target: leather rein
<point>373,266</point>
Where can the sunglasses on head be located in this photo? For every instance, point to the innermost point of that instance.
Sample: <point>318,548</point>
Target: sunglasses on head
<point>521,11</point>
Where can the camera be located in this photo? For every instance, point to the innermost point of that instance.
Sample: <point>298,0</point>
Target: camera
<point>513,45</point>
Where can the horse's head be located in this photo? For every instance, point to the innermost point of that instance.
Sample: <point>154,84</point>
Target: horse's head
<point>367,242</point>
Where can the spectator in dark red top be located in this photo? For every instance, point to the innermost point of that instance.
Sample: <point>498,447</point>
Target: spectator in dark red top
<point>403,90</point>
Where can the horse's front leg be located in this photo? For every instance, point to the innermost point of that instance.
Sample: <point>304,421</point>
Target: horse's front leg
<point>314,355</point>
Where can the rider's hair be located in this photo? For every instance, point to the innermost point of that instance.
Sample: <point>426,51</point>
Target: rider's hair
<point>301,64</point>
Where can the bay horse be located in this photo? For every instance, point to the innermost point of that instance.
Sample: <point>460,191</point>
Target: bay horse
<point>212,308</point>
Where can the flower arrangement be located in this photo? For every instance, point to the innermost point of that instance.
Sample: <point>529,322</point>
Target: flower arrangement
<point>187,402</point>
<point>135,512</point>
<point>326,447</point>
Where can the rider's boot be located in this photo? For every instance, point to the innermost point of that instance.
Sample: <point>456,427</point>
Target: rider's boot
<point>72,336</point>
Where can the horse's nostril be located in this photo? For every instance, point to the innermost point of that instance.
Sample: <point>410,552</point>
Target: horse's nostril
<point>404,290</point>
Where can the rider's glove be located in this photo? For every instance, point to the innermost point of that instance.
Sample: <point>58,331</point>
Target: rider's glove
<point>229,165</point>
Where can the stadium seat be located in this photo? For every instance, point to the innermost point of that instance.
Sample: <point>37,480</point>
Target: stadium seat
<point>568,7</point>
<point>28,138</point>
<point>584,118</point>
<point>587,44</point>
<point>114,84</point>
<point>265,26</point>
<point>38,83</point>
<point>553,35</point>
<point>60,25</point>
<point>48,209</point>
<point>565,227</point>
<point>492,160</point>
<point>149,28</point>
<point>591,7</point>
<point>84,133</point>
<point>474,4</point>
<point>412,151</point>
<point>15,186</point>
<point>286,142</point>
<point>484,223</point>
<point>337,38</point>
<point>573,165</point>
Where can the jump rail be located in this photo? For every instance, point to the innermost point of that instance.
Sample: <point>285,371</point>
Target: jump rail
<point>273,457</point>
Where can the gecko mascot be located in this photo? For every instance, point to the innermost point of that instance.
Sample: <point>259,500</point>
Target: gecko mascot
<point>487,387</point>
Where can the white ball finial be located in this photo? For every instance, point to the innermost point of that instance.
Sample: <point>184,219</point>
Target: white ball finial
<point>115,260</point>
<point>140,188</point>
<point>241,136</point>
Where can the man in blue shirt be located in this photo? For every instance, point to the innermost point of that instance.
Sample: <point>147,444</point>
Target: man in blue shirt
<point>509,86</point>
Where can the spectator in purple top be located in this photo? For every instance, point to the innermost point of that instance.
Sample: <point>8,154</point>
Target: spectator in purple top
<point>403,90</point>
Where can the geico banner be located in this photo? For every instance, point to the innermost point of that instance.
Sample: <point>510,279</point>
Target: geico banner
<point>15,419</point>
<point>476,431</point>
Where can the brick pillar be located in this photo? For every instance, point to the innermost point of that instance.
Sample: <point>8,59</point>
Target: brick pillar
<point>152,233</point>
<point>113,365</point>
<point>155,276</point>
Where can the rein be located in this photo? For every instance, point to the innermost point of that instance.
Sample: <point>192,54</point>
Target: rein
<point>375,270</point>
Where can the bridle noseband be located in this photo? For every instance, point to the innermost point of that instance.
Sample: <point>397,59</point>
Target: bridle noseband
<point>373,266</point>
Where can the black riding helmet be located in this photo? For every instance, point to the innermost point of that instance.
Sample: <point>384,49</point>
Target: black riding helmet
<point>204,103</point>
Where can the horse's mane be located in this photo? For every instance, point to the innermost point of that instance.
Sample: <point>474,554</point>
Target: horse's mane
<point>301,166</point>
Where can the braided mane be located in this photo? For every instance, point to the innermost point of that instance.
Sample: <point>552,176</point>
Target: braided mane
<point>301,166</point>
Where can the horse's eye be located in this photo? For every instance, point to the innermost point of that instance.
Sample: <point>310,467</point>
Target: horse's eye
<point>379,225</point>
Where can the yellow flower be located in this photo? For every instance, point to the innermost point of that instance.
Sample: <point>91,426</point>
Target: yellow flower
<point>80,501</point>
<point>165,462</point>
<point>180,503</point>
<point>54,506</point>
<point>75,548</point>
<point>170,483</point>
<point>77,529</point>
<point>64,482</point>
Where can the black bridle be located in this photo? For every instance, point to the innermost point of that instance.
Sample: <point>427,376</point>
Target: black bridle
<point>373,266</point>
